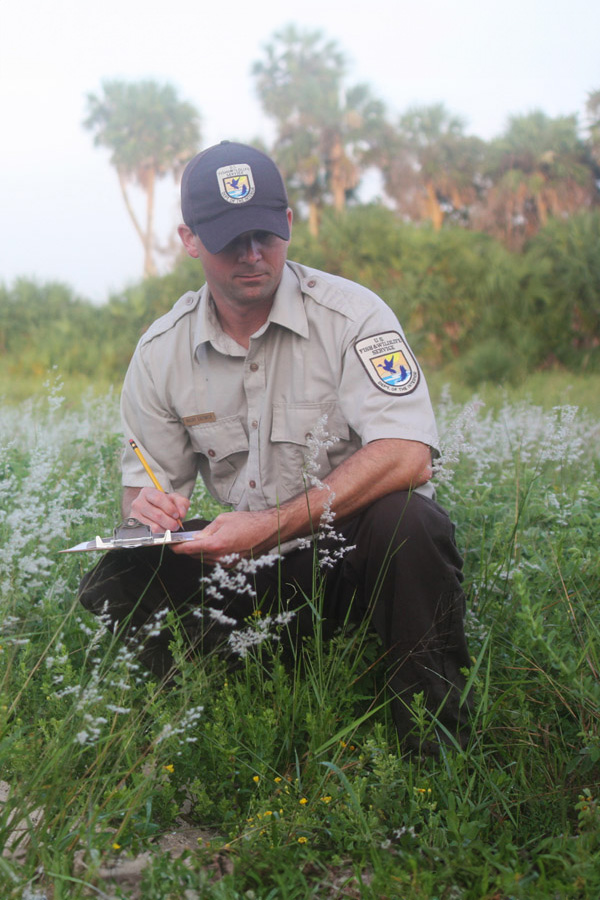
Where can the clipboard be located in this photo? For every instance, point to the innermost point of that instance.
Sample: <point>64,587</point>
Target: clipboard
<point>130,534</point>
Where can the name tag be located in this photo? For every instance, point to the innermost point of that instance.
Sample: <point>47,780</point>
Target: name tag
<point>200,419</point>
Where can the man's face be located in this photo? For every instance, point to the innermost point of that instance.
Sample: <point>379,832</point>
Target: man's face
<point>247,271</point>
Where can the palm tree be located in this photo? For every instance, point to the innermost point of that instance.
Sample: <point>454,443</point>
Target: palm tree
<point>538,168</point>
<point>430,166</point>
<point>324,131</point>
<point>150,133</point>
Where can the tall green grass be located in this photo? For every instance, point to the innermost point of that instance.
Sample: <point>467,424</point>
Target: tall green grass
<point>292,776</point>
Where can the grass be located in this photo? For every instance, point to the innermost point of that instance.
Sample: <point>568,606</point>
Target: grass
<point>290,783</point>
<point>554,387</point>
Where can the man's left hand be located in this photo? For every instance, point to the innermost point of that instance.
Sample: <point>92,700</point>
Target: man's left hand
<point>241,533</point>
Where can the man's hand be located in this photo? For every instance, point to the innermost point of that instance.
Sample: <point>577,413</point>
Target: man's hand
<point>241,533</point>
<point>163,512</point>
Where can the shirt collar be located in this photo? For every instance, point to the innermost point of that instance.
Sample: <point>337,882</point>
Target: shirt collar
<point>287,311</point>
<point>288,305</point>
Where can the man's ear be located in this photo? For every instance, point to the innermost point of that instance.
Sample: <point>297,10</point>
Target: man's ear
<point>290,216</point>
<point>188,239</point>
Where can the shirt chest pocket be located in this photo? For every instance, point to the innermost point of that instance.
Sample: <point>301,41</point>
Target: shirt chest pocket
<point>305,434</point>
<point>223,449</point>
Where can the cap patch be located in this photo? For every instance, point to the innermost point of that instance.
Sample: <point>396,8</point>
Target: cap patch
<point>389,362</point>
<point>236,183</point>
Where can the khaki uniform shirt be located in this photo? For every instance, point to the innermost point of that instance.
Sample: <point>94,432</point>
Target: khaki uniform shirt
<point>331,357</point>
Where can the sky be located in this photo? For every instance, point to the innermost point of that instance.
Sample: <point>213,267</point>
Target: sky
<point>61,213</point>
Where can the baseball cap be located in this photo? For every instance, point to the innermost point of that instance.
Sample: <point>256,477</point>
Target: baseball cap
<point>232,188</point>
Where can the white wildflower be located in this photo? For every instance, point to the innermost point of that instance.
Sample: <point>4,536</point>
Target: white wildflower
<point>219,616</point>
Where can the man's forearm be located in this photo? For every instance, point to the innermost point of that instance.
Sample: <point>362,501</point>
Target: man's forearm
<point>377,469</point>
<point>372,472</point>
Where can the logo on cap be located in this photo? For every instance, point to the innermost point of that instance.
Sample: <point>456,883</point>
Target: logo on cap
<point>236,183</point>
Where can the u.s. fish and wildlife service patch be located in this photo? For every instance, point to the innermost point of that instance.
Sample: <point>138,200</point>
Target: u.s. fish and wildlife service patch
<point>236,183</point>
<point>389,362</point>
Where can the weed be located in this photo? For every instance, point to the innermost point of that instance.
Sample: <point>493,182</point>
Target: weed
<point>292,775</point>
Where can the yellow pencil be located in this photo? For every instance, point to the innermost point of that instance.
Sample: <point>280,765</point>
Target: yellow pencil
<point>140,456</point>
<point>153,477</point>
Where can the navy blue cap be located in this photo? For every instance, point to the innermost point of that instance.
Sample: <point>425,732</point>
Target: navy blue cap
<point>232,188</point>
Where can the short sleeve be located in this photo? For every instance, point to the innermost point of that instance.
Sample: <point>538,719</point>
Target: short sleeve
<point>158,431</point>
<point>383,392</point>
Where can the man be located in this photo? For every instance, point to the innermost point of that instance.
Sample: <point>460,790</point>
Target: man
<point>236,383</point>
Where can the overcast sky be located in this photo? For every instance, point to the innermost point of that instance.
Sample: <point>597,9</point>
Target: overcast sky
<point>61,213</point>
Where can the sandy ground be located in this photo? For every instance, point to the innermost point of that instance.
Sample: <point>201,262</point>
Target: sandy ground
<point>125,872</point>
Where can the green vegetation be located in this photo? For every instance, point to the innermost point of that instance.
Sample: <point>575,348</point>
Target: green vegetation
<point>469,306</point>
<point>289,782</point>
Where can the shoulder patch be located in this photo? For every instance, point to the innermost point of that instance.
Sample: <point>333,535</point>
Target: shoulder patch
<point>389,362</point>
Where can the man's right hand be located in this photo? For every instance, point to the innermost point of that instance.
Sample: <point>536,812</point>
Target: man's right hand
<point>162,512</point>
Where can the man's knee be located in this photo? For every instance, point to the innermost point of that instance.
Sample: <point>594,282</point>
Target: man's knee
<point>407,516</point>
<point>406,542</point>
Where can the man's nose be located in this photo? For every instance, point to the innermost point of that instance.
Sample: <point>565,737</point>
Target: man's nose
<point>250,247</point>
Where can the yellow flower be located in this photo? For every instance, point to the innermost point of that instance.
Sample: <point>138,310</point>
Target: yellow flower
<point>303,801</point>
<point>326,799</point>
<point>302,840</point>
<point>277,780</point>
<point>169,768</point>
<point>256,778</point>
<point>116,846</point>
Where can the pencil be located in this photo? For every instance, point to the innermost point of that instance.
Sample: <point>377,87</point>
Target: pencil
<point>153,477</point>
<point>140,456</point>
